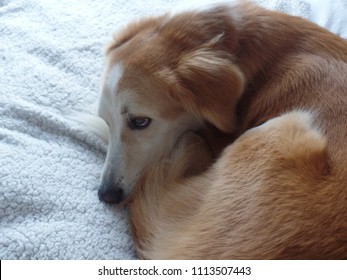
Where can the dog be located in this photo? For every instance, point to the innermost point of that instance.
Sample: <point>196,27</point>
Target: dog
<point>227,69</point>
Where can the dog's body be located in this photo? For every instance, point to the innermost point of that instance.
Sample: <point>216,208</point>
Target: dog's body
<point>269,196</point>
<point>235,67</point>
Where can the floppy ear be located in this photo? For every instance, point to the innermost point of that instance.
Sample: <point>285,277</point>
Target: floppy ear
<point>208,85</point>
<point>150,23</point>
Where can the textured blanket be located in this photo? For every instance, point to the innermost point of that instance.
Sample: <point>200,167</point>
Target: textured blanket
<point>51,62</point>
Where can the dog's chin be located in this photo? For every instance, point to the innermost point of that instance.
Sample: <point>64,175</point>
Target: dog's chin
<point>125,201</point>
<point>128,196</point>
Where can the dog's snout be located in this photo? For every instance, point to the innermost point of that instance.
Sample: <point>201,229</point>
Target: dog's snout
<point>110,195</point>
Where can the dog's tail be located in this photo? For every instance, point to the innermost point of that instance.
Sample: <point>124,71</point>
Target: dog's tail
<point>93,123</point>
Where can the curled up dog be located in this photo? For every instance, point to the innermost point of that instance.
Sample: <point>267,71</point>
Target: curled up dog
<point>274,86</point>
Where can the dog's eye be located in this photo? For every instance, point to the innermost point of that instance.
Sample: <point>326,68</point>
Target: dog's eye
<point>139,122</point>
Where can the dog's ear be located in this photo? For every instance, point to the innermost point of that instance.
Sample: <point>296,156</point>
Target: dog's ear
<point>150,23</point>
<point>208,84</point>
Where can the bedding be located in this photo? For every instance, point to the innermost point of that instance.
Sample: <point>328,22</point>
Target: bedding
<point>51,64</point>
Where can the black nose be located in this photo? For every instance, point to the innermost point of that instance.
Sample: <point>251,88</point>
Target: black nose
<point>111,196</point>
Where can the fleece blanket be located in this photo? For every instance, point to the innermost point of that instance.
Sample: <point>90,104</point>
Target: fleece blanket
<point>51,63</point>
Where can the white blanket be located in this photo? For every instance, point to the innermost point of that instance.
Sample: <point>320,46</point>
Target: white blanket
<point>51,62</point>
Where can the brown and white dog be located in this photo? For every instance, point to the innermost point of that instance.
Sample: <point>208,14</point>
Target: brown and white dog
<point>280,190</point>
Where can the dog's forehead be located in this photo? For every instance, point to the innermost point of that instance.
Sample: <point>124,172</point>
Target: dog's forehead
<point>139,92</point>
<point>113,77</point>
<point>121,81</point>
<point>127,86</point>
<point>125,73</point>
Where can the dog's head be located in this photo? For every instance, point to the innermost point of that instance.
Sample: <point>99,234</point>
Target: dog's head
<point>165,76</point>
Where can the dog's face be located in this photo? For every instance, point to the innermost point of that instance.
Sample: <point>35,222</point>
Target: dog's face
<point>160,83</point>
<point>144,124</point>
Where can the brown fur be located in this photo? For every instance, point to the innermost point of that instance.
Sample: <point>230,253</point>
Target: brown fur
<point>278,191</point>
<point>269,196</point>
